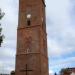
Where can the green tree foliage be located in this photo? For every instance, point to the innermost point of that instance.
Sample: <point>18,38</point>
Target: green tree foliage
<point>1,36</point>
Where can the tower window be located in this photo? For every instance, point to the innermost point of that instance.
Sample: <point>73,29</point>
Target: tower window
<point>28,22</point>
<point>28,19</point>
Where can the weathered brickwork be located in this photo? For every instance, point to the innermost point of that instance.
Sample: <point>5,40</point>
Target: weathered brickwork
<point>31,56</point>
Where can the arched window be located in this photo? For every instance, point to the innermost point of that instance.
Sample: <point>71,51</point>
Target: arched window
<point>28,19</point>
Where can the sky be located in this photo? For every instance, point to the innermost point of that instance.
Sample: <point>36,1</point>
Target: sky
<point>60,22</point>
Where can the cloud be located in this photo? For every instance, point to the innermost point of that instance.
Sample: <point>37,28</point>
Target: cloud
<point>6,66</point>
<point>61,62</point>
<point>61,33</point>
<point>9,25</point>
<point>54,50</point>
<point>51,72</point>
<point>72,12</point>
<point>61,38</point>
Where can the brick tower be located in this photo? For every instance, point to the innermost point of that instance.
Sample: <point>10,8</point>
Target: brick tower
<point>31,57</point>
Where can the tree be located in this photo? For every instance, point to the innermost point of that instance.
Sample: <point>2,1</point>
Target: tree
<point>1,36</point>
<point>12,73</point>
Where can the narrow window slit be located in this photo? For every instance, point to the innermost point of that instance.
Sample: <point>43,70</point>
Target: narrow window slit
<point>28,22</point>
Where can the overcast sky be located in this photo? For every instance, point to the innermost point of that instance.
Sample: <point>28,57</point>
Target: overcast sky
<point>60,16</point>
